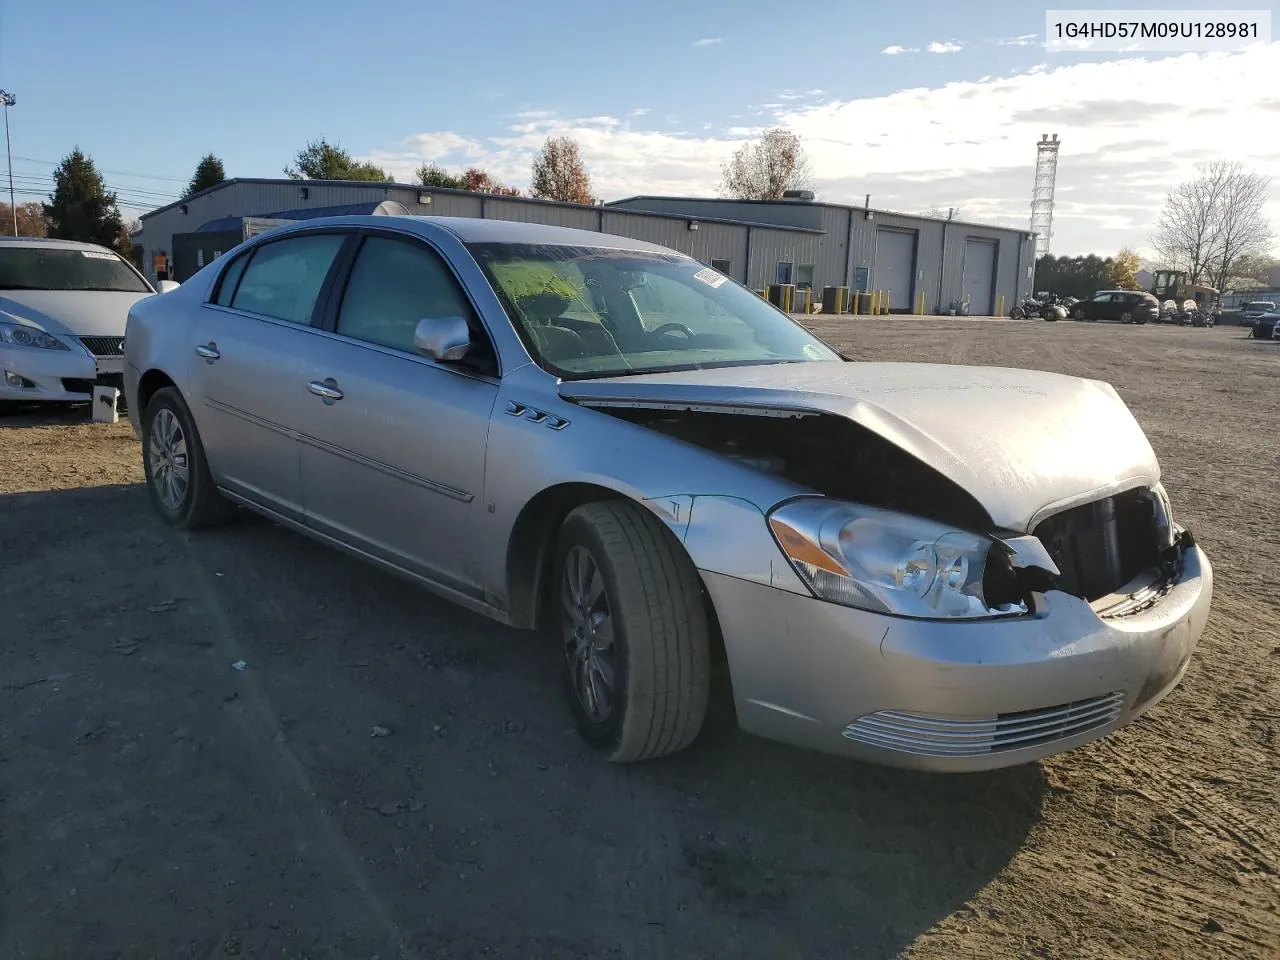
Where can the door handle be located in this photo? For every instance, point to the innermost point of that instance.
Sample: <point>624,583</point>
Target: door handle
<point>208,351</point>
<point>326,390</point>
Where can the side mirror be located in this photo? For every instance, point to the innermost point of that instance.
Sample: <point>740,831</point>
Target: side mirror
<point>164,286</point>
<point>446,339</point>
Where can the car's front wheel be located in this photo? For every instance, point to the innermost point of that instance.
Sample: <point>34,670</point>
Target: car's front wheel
<point>634,632</point>
<point>178,478</point>
<point>1078,313</point>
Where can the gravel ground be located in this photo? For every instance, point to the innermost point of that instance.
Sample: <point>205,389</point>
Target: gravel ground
<point>390,776</point>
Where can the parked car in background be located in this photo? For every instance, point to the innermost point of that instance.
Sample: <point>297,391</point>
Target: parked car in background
<point>1251,311</point>
<point>1126,306</point>
<point>1266,327</point>
<point>935,566</point>
<point>63,307</point>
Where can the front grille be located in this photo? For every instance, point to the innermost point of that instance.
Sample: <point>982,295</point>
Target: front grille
<point>104,346</point>
<point>77,385</point>
<point>930,736</point>
<point>1101,546</point>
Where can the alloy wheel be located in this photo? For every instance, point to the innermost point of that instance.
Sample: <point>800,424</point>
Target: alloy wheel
<point>167,455</point>
<point>587,625</point>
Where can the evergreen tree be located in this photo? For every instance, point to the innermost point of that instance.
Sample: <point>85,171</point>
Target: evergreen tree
<point>209,173</point>
<point>81,207</point>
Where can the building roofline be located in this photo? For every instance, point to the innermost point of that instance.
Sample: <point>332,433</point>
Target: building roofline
<point>814,203</point>
<point>450,191</point>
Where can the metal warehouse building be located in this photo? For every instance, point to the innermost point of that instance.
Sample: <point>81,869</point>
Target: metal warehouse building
<point>918,260</point>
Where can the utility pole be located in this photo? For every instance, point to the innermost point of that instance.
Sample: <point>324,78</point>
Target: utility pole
<point>8,100</point>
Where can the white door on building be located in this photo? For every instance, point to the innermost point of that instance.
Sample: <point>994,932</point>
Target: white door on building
<point>978,275</point>
<point>896,266</point>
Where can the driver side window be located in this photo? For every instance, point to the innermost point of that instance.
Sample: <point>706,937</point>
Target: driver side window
<point>393,285</point>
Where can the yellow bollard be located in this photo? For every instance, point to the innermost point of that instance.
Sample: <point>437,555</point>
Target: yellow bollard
<point>875,302</point>
<point>884,304</point>
<point>1000,305</point>
<point>920,304</point>
<point>857,301</point>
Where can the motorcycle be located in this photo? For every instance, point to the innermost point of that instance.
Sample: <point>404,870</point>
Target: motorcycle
<point>1030,307</point>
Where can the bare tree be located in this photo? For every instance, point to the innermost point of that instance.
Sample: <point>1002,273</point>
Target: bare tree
<point>768,168</point>
<point>558,173</point>
<point>1242,228</point>
<point>1208,223</point>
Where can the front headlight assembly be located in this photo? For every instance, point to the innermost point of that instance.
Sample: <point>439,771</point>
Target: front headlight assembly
<point>886,562</point>
<point>21,335</point>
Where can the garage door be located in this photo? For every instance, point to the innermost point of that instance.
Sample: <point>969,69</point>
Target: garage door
<point>978,276</point>
<point>896,266</point>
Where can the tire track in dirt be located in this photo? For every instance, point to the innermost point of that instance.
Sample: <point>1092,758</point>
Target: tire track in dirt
<point>1203,812</point>
<point>1154,896</point>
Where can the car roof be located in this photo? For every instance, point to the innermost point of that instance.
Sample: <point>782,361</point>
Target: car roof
<point>476,230</point>
<point>48,243</point>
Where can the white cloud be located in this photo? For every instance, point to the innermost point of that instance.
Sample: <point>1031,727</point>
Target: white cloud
<point>950,46</point>
<point>1022,40</point>
<point>708,41</point>
<point>896,48</point>
<point>1130,129</point>
<point>638,112</point>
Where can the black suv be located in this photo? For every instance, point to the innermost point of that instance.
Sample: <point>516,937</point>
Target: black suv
<point>1127,306</point>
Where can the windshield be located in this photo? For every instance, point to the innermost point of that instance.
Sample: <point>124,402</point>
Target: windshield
<point>1259,307</point>
<point>41,268</point>
<point>592,312</point>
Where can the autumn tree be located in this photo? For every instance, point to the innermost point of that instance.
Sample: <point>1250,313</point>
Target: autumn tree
<point>558,173</point>
<point>322,160</point>
<point>81,207</point>
<point>480,181</point>
<point>1209,223</point>
<point>31,220</point>
<point>124,242</point>
<point>209,173</point>
<point>1123,272</point>
<point>766,169</point>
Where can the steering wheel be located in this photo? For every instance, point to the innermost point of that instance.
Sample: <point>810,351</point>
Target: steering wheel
<point>672,328</point>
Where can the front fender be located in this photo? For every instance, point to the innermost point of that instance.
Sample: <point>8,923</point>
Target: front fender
<point>730,536</point>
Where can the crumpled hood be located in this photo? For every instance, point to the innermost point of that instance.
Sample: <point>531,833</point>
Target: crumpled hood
<point>71,313</point>
<point>1017,440</point>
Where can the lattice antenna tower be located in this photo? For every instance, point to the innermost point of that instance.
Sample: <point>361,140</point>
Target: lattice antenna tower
<point>1042,193</point>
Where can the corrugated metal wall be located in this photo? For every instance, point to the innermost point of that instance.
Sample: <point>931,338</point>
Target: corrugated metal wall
<point>847,240</point>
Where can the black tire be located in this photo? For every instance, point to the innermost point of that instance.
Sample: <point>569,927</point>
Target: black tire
<point>1016,313</point>
<point>1078,313</point>
<point>659,640</point>
<point>200,504</point>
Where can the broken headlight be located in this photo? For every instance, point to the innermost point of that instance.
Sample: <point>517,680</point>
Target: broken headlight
<point>884,561</point>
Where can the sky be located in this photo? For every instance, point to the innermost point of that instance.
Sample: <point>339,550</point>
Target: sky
<point>923,105</point>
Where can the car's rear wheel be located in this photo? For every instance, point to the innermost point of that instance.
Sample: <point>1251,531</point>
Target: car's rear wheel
<point>178,478</point>
<point>634,632</point>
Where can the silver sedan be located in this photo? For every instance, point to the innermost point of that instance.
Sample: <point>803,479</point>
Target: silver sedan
<point>945,567</point>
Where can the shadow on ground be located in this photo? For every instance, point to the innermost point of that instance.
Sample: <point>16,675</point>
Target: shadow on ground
<point>242,742</point>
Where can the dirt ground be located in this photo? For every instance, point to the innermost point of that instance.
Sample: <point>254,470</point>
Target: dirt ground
<point>156,801</point>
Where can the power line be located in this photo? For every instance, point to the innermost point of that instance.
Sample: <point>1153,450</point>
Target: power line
<point>118,173</point>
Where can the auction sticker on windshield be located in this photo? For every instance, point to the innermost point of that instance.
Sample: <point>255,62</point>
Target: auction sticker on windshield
<point>711,278</point>
<point>97,255</point>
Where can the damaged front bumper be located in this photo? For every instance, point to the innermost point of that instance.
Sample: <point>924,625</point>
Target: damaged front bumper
<point>958,695</point>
